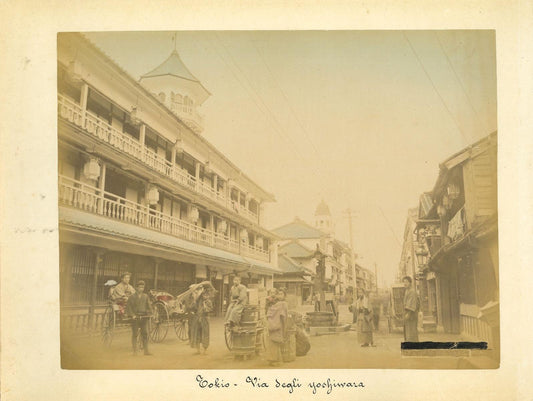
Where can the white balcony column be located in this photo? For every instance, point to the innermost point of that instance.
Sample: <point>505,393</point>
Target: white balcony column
<point>227,191</point>
<point>142,136</point>
<point>101,187</point>
<point>215,183</point>
<point>83,101</point>
<point>238,198</point>
<point>212,229</point>
<point>260,211</point>
<point>247,202</point>
<point>238,231</point>
<point>173,156</point>
<point>197,174</point>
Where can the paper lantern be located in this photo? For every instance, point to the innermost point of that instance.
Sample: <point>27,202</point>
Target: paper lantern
<point>194,215</point>
<point>222,226</point>
<point>152,196</point>
<point>91,169</point>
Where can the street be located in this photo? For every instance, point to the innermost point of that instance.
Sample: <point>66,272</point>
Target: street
<point>333,351</point>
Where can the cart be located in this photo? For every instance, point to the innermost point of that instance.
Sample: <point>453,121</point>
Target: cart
<point>114,317</point>
<point>396,310</point>
<point>247,338</point>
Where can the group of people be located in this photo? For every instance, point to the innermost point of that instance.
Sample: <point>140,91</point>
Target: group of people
<point>366,315</point>
<point>138,307</point>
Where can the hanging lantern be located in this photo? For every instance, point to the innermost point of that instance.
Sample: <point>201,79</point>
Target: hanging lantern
<point>152,196</point>
<point>207,168</point>
<point>134,119</point>
<point>441,211</point>
<point>453,191</point>
<point>91,169</point>
<point>244,235</point>
<point>179,146</point>
<point>222,226</point>
<point>259,242</point>
<point>194,215</point>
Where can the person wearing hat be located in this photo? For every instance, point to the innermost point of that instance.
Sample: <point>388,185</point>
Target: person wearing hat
<point>139,309</point>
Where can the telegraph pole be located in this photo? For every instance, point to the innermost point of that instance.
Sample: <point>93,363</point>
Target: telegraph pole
<point>348,212</point>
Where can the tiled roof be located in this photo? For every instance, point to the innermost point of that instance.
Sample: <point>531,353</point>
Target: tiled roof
<point>289,265</point>
<point>298,229</point>
<point>172,66</point>
<point>295,249</point>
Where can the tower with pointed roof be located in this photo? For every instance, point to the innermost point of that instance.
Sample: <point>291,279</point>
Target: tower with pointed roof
<point>178,89</point>
<point>323,220</point>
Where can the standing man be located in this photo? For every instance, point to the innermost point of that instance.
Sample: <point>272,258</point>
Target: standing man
<point>411,305</point>
<point>364,320</point>
<point>238,299</point>
<point>139,309</point>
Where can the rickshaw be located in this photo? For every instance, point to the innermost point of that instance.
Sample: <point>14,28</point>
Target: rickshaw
<point>396,310</point>
<point>114,316</point>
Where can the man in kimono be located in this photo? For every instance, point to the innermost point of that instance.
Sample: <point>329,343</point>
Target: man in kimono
<point>364,320</point>
<point>139,309</point>
<point>238,299</point>
<point>411,305</point>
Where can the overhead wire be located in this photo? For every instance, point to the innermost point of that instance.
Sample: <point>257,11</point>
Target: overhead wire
<point>278,127</point>
<point>435,89</point>
<point>482,122</point>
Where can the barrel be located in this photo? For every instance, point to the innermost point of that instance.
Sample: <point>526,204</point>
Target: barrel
<point>288,348</point>
<point>249,314</point>
<point>244,341</point>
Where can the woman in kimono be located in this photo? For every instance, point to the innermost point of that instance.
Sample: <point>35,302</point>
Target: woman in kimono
<point>364,320</point>
<point>277,327</point>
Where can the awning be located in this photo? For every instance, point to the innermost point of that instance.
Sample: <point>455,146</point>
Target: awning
<point>91,229</point>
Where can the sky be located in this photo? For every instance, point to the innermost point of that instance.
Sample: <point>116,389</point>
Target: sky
<point>360,119</point>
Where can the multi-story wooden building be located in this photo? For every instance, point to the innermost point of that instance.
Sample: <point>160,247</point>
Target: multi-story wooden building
<point>141,190</point>
<point>457,233</point>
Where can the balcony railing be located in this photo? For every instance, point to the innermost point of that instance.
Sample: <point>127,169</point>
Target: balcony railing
<point>102,130</point>
<point>85,197</point>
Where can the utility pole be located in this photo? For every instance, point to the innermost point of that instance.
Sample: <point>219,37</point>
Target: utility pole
<point>348,212</point>
<point>376,275</point>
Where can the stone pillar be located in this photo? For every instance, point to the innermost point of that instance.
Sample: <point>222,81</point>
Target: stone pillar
<point>215,182</point>
<point>173,156</point>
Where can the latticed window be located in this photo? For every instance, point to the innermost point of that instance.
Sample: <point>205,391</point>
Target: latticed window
<point>82,273</point>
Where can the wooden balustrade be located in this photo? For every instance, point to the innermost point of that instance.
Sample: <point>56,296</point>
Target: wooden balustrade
<point>85,197</point>
<point>72,112</point>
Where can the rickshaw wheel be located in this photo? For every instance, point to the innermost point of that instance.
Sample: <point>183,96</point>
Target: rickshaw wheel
<point>108,326</point>
<point>228,335</point>
<point>181,327</point>
<point>159,323</point>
